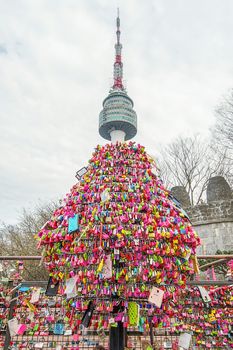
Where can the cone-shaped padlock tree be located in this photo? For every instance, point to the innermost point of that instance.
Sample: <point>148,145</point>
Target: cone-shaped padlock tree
<point>118,234</point>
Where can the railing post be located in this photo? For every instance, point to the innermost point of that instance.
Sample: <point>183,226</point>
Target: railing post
<point>10,316</point>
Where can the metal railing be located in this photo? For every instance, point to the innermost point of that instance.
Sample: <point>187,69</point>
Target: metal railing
<point>162,338</point>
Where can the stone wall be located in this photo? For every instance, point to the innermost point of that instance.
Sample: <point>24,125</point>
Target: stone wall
<point>214,212</point>
<point>214,224</point>
<point>213,220</point>
<point>215,236</point>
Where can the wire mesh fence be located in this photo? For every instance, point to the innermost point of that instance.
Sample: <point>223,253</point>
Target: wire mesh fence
<point>91,341</point>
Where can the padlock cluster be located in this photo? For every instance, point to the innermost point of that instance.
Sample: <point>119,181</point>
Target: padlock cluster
<point>119,230</point>
<point>42,319</point>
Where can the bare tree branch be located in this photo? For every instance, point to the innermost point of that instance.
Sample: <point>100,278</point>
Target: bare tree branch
<point>190,162</point>
<point>222,133</point>
<point>20,239</point>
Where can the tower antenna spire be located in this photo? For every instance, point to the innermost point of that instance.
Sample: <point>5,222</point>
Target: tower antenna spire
<point>118,23</point>
<point>118,65</point>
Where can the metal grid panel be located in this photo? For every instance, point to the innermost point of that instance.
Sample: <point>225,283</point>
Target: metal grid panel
<point>90,341</point>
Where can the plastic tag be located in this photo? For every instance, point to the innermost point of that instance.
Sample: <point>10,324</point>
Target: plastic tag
<point>156,296</point>
<point>73,224</point>
<point>184,340</point>
<point>107,268</point>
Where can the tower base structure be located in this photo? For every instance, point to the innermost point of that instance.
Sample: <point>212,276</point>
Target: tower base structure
<point>117,135</point>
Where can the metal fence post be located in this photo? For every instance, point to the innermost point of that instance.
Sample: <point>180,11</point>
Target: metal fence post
<point>10,316</point>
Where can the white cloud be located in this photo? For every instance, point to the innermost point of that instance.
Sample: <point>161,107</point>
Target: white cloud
<point>56,61</point>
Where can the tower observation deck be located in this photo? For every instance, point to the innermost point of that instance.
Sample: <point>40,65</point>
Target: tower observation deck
<point>118,120</point>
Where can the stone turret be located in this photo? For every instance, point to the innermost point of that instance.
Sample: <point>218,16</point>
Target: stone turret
<point>180,193</point>
<point>218,189</point>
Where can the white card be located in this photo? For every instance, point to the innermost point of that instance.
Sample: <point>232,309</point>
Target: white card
<point>204,294</point>
<point>184,340</point>
<point>71,290</point>
<point>35,296</point>
<point>105,196</point>
<point>68,332</point>
<point>107,268</point>
<point>156,296</point>
<point>13,326</point>
<point>39,345</point>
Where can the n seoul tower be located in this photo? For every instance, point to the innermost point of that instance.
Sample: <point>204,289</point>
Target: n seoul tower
<point>118,120</point>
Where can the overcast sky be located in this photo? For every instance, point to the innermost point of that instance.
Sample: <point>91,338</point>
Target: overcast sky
<point>56,60</point>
